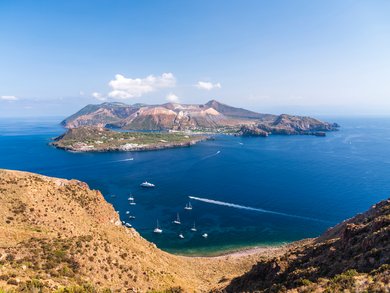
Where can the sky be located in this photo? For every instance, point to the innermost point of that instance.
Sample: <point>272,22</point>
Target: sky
<point>324,57</point>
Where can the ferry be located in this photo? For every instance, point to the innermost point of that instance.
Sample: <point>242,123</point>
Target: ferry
<point>147,184</point>
<point>157,230</point>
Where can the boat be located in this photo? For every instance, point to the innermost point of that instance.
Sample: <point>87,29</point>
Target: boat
<point>205,235</point>
<point>157,230</point>
<point>127,212</point>
<point>147,184</point>
<point>130,197</point>
<point>128,225</point>
<point>181,236</point>
<point>188,207</point>
<point>193,229</point>
<point>131,217</point>
<point>177,221</point>
<point>132,202</point>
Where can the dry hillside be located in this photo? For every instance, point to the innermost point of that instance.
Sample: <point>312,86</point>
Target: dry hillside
<point>57,234</point>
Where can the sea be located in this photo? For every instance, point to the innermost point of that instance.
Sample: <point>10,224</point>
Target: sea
<point>244,191</point>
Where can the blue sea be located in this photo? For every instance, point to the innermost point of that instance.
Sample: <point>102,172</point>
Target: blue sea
<point>250,191</point>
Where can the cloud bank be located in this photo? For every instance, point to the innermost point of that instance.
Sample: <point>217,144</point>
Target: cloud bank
<point>9,98</point>
<point>208,86</point>
<point>126,88</point>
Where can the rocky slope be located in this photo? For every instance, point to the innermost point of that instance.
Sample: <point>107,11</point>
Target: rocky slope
<point>354,256</point>
<point>100,139</point>
<point>59,235</point>
<point>212,116</point>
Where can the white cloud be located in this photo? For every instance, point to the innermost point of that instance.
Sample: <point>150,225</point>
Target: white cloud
<point>9,98</point>
<point>208,86</point>
<point>98,96</point>
<point>173,98</point>
<point>126,88</point>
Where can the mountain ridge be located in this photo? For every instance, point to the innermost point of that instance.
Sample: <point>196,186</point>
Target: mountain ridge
<point>211,116</point>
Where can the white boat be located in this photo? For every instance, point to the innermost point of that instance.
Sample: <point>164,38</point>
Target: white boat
<point>131,217</point>
<point>132,202</point>
<point>127,212</point>
<point>188,207</point>
<point>181,236</point>
<point>205,235</point>
<point>193,229</point>
<point>177,221</point>
<point>157,230</point>
<point>128,225</point>
<point>147,184</point>
<point>130,197</point>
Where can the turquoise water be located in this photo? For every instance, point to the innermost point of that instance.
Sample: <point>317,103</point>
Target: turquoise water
<point>254,191</point>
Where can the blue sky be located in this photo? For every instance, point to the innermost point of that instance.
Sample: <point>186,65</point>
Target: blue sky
<point>301,57</point>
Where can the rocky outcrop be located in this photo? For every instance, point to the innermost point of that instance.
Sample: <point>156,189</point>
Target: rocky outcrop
<point>353,256</point>
<point>252,130</point>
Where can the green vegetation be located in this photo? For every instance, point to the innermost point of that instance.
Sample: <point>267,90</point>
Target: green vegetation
<point>101,139</point>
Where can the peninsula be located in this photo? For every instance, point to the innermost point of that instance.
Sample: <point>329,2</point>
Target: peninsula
<point>100,139</point>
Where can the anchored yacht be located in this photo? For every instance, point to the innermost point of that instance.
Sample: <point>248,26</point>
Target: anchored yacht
<point>147,184</point>
<point>181,236</point>
<point>193,229</point>
<point>157,230</point>
<point>177,221</point>
<point>188,206</point>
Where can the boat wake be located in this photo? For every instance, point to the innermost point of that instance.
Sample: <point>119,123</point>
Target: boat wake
<point>213,155</point>
<point>237,206</point>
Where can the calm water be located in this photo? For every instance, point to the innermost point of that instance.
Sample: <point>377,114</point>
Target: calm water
<point>314,182</point>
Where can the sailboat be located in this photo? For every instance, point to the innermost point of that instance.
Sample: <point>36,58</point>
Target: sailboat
<point>131,197</point>
<point>188,206</point>
<point>193,229</point>
<point>181,236</point>
<point>157,230</point>
<point>177,221</point>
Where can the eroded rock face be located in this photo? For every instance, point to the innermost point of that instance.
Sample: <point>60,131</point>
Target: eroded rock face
<point>252,130</point>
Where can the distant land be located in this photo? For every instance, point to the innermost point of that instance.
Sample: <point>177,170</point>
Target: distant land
<point>58,235</point>
<point>210,117</point>
<point>100,139</point>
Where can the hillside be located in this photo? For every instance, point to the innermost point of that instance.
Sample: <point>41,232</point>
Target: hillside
<point>212,116</point>
<point>59,235</point>
<point>353,256</point>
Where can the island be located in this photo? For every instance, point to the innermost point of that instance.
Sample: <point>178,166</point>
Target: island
<point>100,139</point>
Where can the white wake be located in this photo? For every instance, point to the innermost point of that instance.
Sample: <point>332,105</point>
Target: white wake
<point>237,206</point>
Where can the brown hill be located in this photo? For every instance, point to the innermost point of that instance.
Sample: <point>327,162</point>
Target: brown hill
<point>211,116</point>
<point>57,233</point>
<point>354,256</point>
